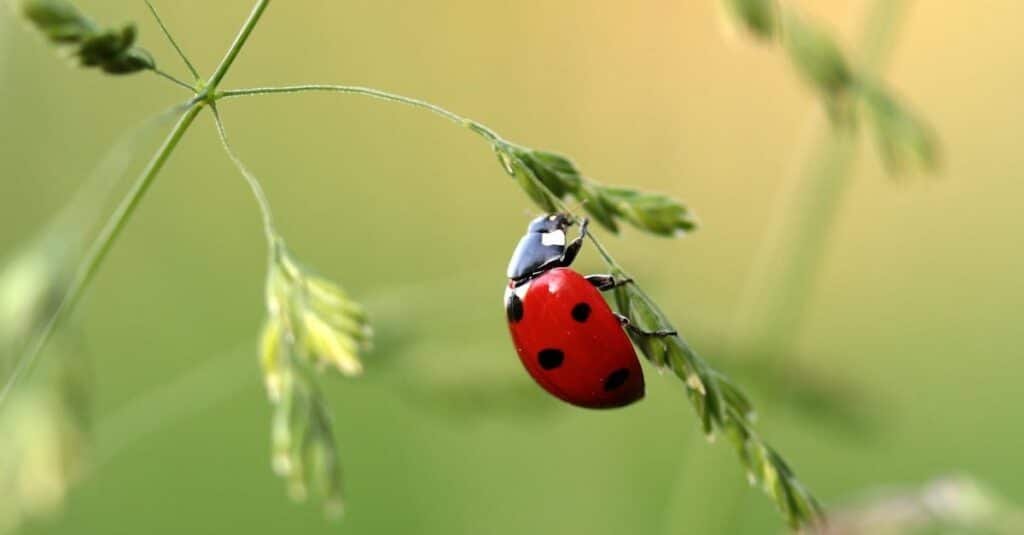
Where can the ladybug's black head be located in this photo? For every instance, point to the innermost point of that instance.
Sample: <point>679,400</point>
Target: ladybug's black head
<point>550,223</point>
<point>542,248</point>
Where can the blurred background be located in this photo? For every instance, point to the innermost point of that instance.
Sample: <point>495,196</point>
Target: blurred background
<point>914,320</point>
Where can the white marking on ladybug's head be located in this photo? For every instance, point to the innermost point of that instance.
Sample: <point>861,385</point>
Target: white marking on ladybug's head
<point>555,237</point>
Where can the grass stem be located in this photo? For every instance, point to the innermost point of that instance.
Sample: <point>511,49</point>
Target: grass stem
<point>487,133</point>
<point>174,79</point>
<point>254,183</point>
<point>174,43</point>
<point>236,46</point>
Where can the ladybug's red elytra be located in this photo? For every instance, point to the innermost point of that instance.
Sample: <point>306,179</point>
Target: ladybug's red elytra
<point>566,335</point>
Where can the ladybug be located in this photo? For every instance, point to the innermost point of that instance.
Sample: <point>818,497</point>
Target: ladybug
<point>565,333</point>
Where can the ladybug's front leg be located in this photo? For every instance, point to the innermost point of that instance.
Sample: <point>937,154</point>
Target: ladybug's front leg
<point>606,282</point>
<point>573,249</point>
<point>637,330</point>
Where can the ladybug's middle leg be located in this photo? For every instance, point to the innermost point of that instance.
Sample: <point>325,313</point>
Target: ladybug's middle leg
<point>637,330</point>
<point>606,282</point>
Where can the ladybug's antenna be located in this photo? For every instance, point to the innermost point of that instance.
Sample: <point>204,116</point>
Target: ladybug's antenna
<point>576,206</point>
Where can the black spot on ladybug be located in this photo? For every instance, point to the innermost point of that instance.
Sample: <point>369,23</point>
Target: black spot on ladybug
<point>514,308</point>
<point>616,379</point>
<point>581,312</point>
<point>550,358</point>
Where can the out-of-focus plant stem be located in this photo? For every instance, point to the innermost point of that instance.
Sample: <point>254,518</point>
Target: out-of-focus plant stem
<point>790,259</point>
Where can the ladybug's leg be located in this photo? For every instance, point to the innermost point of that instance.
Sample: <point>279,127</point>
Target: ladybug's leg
<point>606,282</point>
<point>637,330</point>
<point>573,249</point>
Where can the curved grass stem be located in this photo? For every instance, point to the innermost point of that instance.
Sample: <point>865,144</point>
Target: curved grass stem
<point>250,178</point>
<point>480,129</point>
<point>485,132</point>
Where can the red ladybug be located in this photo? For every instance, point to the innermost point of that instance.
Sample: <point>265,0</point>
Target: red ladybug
<point>566,335</point>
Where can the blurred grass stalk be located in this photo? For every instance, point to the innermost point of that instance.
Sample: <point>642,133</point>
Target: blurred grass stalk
<point>789,262</point>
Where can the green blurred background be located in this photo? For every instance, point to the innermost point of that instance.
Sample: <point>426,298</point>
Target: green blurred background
<point>918,305</point>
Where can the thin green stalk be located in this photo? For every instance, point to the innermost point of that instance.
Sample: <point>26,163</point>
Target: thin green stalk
<point>250,178</point>
<point>787,266</point>
<point>174,43</point>
<point>487,133</point>
<point>102,246</point>
<point>172,78</point>
<point>236,46</point>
